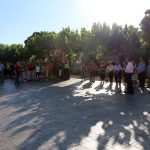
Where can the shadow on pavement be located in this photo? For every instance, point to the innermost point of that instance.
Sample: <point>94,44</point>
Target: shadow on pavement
<point>61,116</point>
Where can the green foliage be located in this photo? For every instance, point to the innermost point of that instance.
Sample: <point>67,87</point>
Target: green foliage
<point>39,42</point>
<point>145,34</point>
<point>101,42</point>
<point>12,53</point>
<point>145,26</point>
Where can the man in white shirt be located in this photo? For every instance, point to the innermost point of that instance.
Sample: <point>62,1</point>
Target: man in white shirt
<point>129,72</point>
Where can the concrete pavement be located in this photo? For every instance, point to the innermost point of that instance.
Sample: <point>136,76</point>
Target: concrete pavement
<point>70,115</point>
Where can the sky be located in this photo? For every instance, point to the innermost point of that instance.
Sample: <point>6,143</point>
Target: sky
<point>20,18</point>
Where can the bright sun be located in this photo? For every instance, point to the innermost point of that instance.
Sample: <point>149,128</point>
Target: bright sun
<point>110,11</point>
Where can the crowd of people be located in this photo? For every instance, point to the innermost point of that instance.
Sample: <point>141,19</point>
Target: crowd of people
<point>129,72</point>
<point>35,70</point>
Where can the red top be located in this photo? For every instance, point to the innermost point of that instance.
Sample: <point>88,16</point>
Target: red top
<point>30,66</point>
<point>17,69</point>
<point>93,67</point>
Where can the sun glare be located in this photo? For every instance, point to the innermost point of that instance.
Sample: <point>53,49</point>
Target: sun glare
<point>110,11</point>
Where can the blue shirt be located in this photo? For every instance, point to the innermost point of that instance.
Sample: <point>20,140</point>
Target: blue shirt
<point>117,67</point>
<point>141,67</point>
<point>1,67</point>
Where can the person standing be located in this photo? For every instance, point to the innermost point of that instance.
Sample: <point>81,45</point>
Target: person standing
<point>118,73</point>
<point>37,69</point>
<point>109,71</point>
<point>102,68</point>
<point>124,65</point>
<point>24,71</point>
<point>17,73</point>
<point>129,72</point>
<point>148,73</point>
<point>135,77</point>
<point>1,72</point>
<point>141,73</point>
<point>83,72</point>
<point>66,70</point>
<point>92,70</point>
<point>135,74</point>
<point>29,70</point>
<point>46,62</point>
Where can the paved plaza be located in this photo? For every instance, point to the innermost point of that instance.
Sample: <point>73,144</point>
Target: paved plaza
<point>70,115</point>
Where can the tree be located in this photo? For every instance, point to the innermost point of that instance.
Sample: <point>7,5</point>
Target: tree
<point>39,42</point>
<point>101,42</point>
<point>145,26</point>
<point>4,55</point>
<point>101,39</point>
